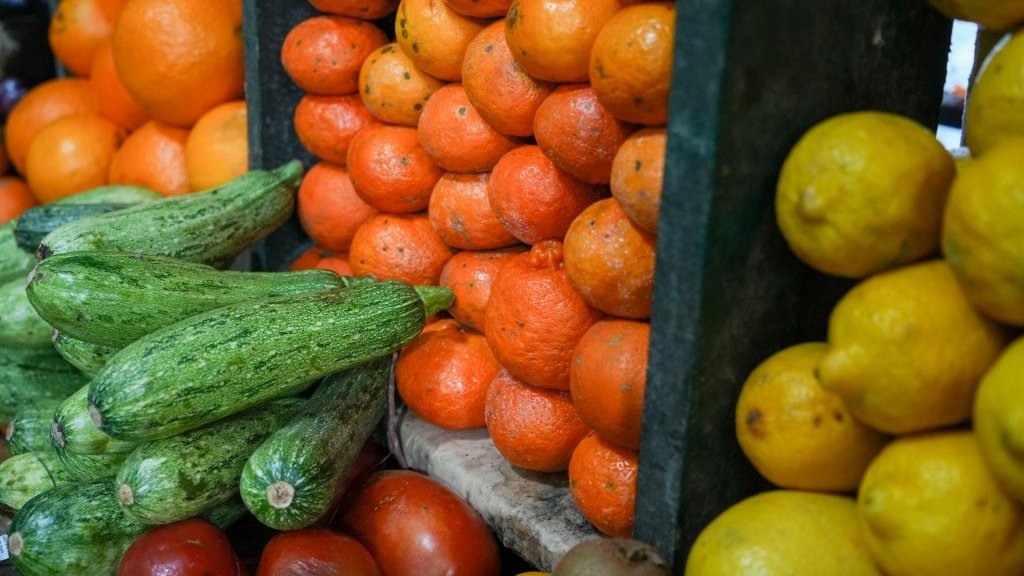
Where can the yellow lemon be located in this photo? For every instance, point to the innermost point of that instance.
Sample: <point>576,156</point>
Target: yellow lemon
<point>983,231</point>
<point>999,419</point>
<point>930,507</point>
<point>992,14</point>
<point>996,99</point>
<point>783,532</point>
<point>907,350</point>
<point>797,434</point>
<point>863,192</point>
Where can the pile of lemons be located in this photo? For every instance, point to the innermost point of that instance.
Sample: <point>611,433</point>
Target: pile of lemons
<point>897,445</point>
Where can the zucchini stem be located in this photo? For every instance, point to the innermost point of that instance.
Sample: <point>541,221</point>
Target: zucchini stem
<point>435,299</point>
<point>280,494</point>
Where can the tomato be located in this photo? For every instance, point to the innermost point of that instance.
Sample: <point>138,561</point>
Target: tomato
<point>315,552</point>
<point>413,525</point>
<point>193,547</point>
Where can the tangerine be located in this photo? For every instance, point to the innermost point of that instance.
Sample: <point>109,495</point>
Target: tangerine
<point>435,37</point>
<point>390,171</point>
<point>461,214</point>
<point>329,209</point>
<point>326,125</point>
<point>399,247</point>
<point>323,54</point>
<point>15,198</point>
<point>153,156</point>
<point>602,480</point>
<point>637,176</point>
<point>217,149</point>
<point>47,102</point>
<point>71,155</point>
<point>469,275</point>
<point>393,89</point>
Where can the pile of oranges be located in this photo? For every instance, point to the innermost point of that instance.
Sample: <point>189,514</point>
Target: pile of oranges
<point>153,97</point>
<point>511,150</point>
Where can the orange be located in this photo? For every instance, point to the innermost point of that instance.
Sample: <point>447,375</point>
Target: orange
<point>78,28</point>
<point>608,377</point>
<point>535,200</point>
<point>363,9</point>
<point>323,54</point>
<point>393,89</point>
<point>551,39</point>
<point>326,125</point>
<point>637,174</point>
<point>317,257</point>
<point>217,149</point>
<point>469,276</point>
<point>443,375</point>
<point>435,37</point>
<point>578,134</point>
<point>631,63</point>
<point>116,103</point>
<point>531,427</point>
<point>501,91</point>
<point>461,214</point>
<point>180,58</point>
<point>153,156</point>
<point>456,137</point>
<point>610,260</point>
<point>399,247</point>
<point>390,171</point>
<point>602,480</point>
<point>329,209</point>
<point>535,317</point>
<point>71,155</point>
<point>47,102</point>
<point>15,198</point>
<point>480,8</point>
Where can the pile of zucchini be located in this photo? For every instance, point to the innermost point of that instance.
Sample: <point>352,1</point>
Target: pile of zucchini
<point>145,384</point>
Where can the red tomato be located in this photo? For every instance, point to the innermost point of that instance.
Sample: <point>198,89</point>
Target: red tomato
<point>315,552</point>
<point>193,547</point>
<point>413,525</point>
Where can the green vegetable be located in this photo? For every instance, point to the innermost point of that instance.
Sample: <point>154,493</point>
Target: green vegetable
<point>85,356</point>
<point>22,477</point>
<point>34,378</point>
<point>20,325</point>
<point>35,223</point>
<point>71,429</point>
<point>29,431</point>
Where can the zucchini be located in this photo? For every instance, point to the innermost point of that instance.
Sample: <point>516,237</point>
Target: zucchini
<point>22,477</point>
<point>72,430</point>
<point>29,431</point>
<point>35,223</point>
<point>14,262</point>
<point>20,324</point>
<point>34,378</point>
<point>85,467</point>
<point>85,356</point>
<point>220,362</point>
<point>210,227</point>
<point>175,478</point>
<point>114,299</point>
<point>292,479</point>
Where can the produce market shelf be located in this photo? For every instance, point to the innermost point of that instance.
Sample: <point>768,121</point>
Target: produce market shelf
<point>532,513</point>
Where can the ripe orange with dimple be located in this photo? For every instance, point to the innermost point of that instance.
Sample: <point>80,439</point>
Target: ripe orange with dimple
<point>461,214</point>
<point>180,58</point>
<point>78,28</point>
<point>71,155</point>
<point>390,171</point>
<point>469,275</point>
<point>217,149</point>
<point>116,103</point>
<point>399,247</point>
<point>153,156</point>
<point>46,103</point>
<point>393,89</point>
<point>533,428</point>
<point>435,37</point>
<point>602,480</point>
<point>456,137</point>
<point>551,39</point>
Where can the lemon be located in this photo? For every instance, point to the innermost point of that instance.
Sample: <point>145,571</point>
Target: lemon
<point>992,14</point>
<point>907,350</point>
<point>999,419</point>
<point>983,232</point>
<point>996,99</point>
<point>930,507</point>
<point>783,532</point>
<point>863,192</point>
<point>795,433</point>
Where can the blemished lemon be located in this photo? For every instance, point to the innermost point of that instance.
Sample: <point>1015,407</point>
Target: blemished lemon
<point>930,507</point>
<point>797,434</point>
<point>997,97</point>
<point>907,350</point>
<point>999,419</point>
<point>983,231</point>
<point>787,532</point>
<point>992,14</point>
<point>863,192</point>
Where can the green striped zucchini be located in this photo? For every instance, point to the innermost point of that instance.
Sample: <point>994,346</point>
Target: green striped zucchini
<point>35,223</point>
<point>29,430</point>
<point>20,324</point>
<point>14,262</point>
<point>175,478</point>
<point>72,429</point>
<point>292,479</point>
<point>210,227</point>
<point>85,356</point>
<point>22,477</point>
<point>220,362</point>
<point>85,467</point>
<point>114,299</point>
<point>34,378</point>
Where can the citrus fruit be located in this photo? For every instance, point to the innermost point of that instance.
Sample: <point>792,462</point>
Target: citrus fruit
<point>435,37</point>
<point>863,192</point>
<point>994,15</point>
<point>153,156</point>
<point>317,257</point>
<point>469,275</point>
<point>996,97</point>
<point>78,28</point>
<point>329,209</point>
<point>326,125</point>
<point>323,54</point>
<point>999,419</point>
<point>71,155</point>
<point>602,480</point>
<point>398,247</point>
<point>456,137</point>
<point>47,102</point>
<point>637,173</point>
<point>116,103</point>
<point>15,198</point>
<point>217,149</point>
<point>390,170</point>
<point>364,9</point>
<point>393,89</point>
<point>461,214</point>
<point>480,8</point>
